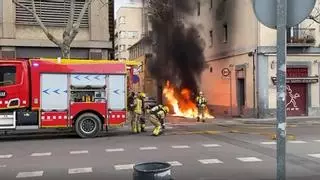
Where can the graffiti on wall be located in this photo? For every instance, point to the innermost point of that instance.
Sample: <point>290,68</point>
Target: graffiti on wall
<point>291,102</point>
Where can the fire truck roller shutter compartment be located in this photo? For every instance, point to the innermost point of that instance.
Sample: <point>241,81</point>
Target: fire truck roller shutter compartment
<point>54,96</point>
<point>116,92</point>
<point>116,99</point>
<point>92,80</point>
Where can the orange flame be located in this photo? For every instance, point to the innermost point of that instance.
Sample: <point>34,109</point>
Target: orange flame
<point>181,102</point>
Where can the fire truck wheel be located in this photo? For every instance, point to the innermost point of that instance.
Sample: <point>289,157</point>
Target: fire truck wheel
<point>88,125</point>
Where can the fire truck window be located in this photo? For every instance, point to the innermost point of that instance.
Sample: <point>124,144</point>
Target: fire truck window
<point>7,75</point>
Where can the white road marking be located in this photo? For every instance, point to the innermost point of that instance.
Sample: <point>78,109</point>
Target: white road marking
<point>297,142</point>
<point>210,161</point>
<point>269,143</point>
<point>175,163</point>
<point>7,156</point>
<point>79,152</point>
<point>314,155</point>
<point>249,159</point>
<point>148,148</point>
<point>3,166</point>
<point>316,140</point>
<point>80,170</point>
<point>211,145</point>
<point>29,174</point>
<point>115,150</point>
<point>41,154</point>
<point>180,147</point>
<point>123,167</point>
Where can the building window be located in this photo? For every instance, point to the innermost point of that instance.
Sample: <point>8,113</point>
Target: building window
<point>198,5</point>
<point>122,20</point>
<point>7,75</point>
<point>132,34</point>
<point>225,31</point>
<point>122,34</point>
<point>122,47</point>
<point>211,37</point>
<point>52,13</point>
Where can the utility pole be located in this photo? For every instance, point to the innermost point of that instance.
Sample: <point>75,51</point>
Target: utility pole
<point>281,87</point>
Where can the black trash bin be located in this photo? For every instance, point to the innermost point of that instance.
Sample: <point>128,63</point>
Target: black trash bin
<point>152,171</point>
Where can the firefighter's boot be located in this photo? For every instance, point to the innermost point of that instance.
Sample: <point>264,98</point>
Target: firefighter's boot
<point>156,131</point>
<point>138,127</point>
<point>143,128</point>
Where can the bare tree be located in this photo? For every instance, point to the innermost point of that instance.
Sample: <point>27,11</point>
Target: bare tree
<point>71,30</point>
<point>315,14</point>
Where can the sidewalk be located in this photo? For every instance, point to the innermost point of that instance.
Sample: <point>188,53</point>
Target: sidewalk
<point>267,121</point>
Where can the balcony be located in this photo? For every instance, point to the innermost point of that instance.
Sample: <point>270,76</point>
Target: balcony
<point>301,37</point>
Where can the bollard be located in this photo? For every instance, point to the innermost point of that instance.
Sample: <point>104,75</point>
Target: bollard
<point>152,171</point>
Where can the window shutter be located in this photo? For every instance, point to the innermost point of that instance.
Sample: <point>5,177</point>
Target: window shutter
<point>51,12</point>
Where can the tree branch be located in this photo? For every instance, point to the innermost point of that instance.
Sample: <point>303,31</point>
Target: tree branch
<point>35,15</point>
<point>314,19</point>
<point>76,26</point>
<point>70,20</point>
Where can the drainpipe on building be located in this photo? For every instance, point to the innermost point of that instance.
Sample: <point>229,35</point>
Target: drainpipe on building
<point>253,54</point>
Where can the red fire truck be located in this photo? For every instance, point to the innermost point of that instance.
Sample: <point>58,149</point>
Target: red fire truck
<point>86,95</point>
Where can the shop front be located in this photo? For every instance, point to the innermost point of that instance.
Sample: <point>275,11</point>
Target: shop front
<point>298,80</point>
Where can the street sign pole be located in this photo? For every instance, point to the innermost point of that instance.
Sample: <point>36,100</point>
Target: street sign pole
<point>281,87</point>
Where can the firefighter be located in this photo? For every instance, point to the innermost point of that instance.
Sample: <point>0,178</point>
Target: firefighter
<point>201,105</point>
<point>131,106</point>
<point>143,116</point>
<point>157,116</point>
<point>136,128</point>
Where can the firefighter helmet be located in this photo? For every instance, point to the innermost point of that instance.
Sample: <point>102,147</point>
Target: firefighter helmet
<point>143,95</point>
<point>166,109</point>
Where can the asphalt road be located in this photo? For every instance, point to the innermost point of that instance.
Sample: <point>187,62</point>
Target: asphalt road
<point>196,152</point>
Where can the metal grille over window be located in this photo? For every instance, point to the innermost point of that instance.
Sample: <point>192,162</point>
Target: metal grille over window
<point>51,12</point>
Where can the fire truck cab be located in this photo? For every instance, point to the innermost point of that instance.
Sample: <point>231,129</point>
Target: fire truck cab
<point>86,95</point>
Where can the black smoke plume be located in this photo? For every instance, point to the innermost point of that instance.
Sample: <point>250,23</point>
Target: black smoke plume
<point>177,47</point>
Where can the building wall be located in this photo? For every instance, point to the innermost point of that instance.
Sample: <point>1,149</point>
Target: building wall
<point>239,40</point>
<point>221,91</point>
<point>94,39</point>
<point>129,20</point>
<point>140,51</point>
<point>309,61</point>
<point>228,47</point>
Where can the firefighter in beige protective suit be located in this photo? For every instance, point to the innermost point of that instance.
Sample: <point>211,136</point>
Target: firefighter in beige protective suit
<point>131,107</point>
<point>142,120</point>
<point>157,116</point>
<point>201,105</point>
<point>136,127</point>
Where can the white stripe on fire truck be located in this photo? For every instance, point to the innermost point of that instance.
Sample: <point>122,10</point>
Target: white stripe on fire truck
<point>6,102</point>
<point>0,102</point>
<point>55,117</point>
